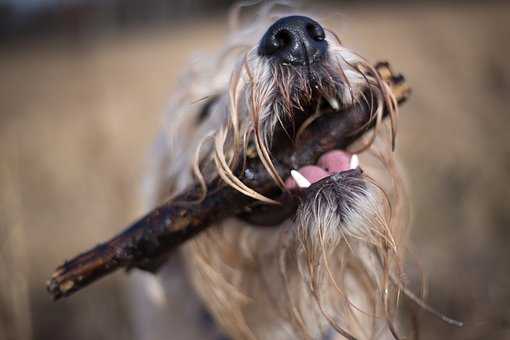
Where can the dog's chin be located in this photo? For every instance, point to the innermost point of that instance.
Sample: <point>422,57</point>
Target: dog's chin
<point>336,196</point>
<point>339,189</point>
<point>330,210</point>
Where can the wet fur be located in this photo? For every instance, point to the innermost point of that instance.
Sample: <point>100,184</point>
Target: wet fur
<point>330,271</point>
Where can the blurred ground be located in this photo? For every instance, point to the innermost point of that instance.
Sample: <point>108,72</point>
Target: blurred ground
<point>77,117</point>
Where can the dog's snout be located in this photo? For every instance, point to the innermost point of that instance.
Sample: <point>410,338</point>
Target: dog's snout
<point>295,40</point>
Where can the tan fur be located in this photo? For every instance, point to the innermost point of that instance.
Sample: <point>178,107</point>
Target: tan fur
<point>309,277</point>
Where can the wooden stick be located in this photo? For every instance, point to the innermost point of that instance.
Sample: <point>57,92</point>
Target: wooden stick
<point>147,242</point>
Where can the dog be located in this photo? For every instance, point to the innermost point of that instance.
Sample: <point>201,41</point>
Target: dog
<point>329,269</point>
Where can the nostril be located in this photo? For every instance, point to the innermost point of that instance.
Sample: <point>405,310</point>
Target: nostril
<point>315,32</point>
<point>275,41</point>
<point>283,38</point>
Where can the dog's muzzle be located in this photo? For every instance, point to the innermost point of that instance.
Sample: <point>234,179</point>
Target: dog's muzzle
<point>297,41</point>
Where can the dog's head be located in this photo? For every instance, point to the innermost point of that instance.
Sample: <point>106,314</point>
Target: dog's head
<point>272,82</point>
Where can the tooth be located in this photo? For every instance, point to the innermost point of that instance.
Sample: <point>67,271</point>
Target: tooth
<point>301,180</point>
<point>354,162</point>
<point>333,102</point>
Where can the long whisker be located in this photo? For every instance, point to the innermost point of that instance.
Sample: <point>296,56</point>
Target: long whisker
<point>196,168</point>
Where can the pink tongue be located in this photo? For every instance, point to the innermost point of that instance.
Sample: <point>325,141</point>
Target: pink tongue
<point>335,161</point>
<point>330,163</point>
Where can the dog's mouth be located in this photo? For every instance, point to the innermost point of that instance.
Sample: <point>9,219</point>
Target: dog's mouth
<point>332,169</point>
<point>336,174</point>
<point>329,164</point>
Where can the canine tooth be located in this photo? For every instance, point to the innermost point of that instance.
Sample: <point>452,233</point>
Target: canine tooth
<point>301,180</point>
<point>354,162</point>
<point>333,102</point>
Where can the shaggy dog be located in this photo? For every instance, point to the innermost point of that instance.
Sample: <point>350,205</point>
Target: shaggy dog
<point>330,268</point>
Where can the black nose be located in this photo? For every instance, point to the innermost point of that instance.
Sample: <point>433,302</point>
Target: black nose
<point>295,40</point>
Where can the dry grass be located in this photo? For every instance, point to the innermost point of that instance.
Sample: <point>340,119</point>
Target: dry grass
<point>76,120</point>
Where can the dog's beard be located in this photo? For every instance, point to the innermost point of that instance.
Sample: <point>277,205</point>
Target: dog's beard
<point>340,250</point>
<point>332,209</point>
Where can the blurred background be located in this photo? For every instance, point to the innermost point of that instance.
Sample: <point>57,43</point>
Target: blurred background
<point>84,83</point>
